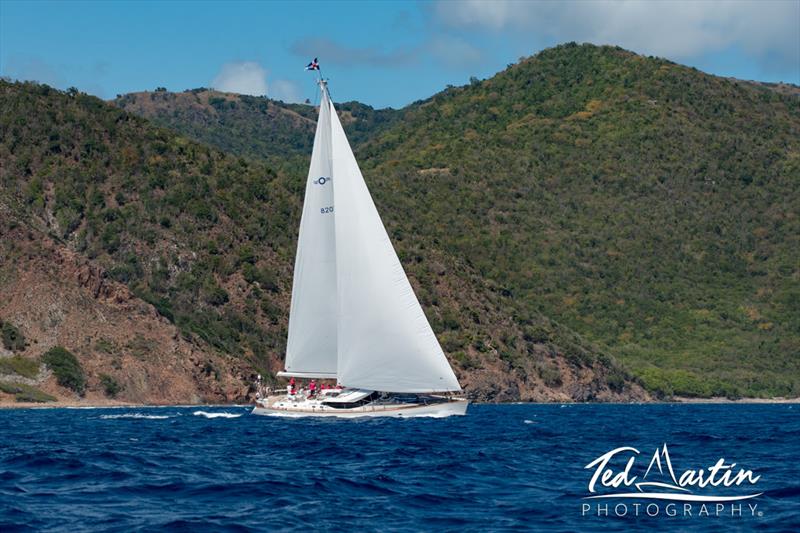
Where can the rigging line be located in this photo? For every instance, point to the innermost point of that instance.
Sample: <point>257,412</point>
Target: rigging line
<point>317,93</point>
<point>327,87</point>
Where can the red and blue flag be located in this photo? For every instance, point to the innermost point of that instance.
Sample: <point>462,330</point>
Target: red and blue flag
<point>314,65</point>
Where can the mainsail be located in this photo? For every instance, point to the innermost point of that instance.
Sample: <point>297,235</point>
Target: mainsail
<point>311,346</point>
<point>354,314</point>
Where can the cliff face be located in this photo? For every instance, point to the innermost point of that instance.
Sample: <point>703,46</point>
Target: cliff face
<point>56,297</point>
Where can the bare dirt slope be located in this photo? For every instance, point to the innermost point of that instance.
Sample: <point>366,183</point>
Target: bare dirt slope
<point>56,297</point>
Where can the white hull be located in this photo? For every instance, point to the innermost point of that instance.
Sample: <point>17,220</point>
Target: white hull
<point>282,408</point>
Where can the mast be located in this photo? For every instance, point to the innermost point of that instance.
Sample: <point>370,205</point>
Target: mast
<point>311,348</point>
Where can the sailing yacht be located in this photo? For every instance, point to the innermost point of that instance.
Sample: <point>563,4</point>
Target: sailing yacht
<point>354,317</point>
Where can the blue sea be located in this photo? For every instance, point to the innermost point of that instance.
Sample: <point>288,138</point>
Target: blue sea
<point>502,467</point>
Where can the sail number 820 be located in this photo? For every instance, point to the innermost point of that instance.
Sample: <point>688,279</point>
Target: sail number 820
<point>326,210</point>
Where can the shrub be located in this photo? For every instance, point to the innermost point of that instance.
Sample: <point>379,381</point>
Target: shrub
<point>25,393</point>
<point>104,345</point>
<point>266,278</point>
<point>247,255</point>
<point>10,388</point>
<point>141,347</point>
<point>66,368</point>
<point>34,395</point>
<point>616,381</point>
<point>550,374</point>
<point>110,385</point>
<point>272,311</point>
<point>13,339</point>
<point>19,365</point>
<point>110,239</point>
<point>452,341</point>
<point>68,221</point>
<point>465,361</point>
<point>450,319</point>
<point>216,295</point>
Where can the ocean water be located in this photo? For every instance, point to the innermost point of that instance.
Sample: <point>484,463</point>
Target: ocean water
<point>502,467</point>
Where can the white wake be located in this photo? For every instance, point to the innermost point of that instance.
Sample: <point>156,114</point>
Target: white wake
<point>136,415</point>
<point>216,415</point>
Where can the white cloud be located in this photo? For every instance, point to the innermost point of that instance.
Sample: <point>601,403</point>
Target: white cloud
<point>768,29</point>
<point>285,90</point>
<point>247,77</point>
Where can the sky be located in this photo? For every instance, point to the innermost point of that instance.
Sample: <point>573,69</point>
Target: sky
<point>383,53</point>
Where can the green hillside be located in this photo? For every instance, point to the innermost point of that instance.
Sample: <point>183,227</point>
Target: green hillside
<point>255,127</point>
<point>176,221</point>
<point>208,238</point>
<point>648,206</point>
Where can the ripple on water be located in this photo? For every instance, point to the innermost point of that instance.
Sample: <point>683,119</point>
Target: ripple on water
<point>501,467</point>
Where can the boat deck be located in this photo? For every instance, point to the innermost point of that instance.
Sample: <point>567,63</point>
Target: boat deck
<point>284,405</point>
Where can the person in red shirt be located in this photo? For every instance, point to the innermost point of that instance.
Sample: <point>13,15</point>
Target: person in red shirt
<point>312,389</point>
<point>291,386</point>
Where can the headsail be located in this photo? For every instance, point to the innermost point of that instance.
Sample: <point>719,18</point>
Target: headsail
<point>385,343</point>
<point>311,346</point>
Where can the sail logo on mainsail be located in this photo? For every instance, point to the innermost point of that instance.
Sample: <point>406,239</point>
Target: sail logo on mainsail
<point>322,181</point>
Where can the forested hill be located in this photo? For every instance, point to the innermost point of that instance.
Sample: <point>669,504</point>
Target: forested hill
<point>143,266</point>
<point>649,206</point>
<point>248,125</point>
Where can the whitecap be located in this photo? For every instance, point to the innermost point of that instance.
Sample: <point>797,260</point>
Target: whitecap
<point>529,422</point>
<point>135,415</point>
<point>216,415</point>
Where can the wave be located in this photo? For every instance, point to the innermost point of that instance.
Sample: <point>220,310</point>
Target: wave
<point>217,415</point>
<point>784,492</point>
<point>374,474</point>
<point>137,416</point>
